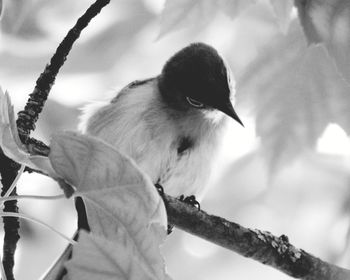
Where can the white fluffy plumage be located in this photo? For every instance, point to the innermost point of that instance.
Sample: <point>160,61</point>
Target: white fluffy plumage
<point>137,123</point>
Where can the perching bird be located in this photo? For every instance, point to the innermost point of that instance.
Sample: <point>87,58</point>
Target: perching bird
<point>170,124</point>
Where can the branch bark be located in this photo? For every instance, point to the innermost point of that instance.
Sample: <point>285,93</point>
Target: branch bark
<point>261,246</point>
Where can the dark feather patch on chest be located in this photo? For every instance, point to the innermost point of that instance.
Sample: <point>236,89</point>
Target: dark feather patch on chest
<point>185,144</point>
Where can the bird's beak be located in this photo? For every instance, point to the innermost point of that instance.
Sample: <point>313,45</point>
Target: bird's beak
<point>228,110</point>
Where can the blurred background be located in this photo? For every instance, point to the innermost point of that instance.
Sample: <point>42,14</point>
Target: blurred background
<point>286,172</point>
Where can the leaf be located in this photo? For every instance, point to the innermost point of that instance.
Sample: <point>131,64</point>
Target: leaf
<point>283,13</point>
<point>197,13</point>
<point>185,13</point>
<point>122,204</point>
<point>10,142</point>
<point>97,258</point>
<point>309,29</point>
<point>328,22</point>
<point>92,165</point>
<point>233,8</point>
<point>121,215</point>
<point>295,91</point>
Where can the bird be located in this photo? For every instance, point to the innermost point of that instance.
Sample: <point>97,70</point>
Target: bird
<point>170,124</point>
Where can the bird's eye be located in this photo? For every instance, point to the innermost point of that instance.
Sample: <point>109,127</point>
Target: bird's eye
<point>194,103</point>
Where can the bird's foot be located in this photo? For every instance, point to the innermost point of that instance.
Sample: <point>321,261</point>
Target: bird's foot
<point>191,200</point>
<point>170,228</point>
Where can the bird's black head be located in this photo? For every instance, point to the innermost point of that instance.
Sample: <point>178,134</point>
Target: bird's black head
<point>196,76</point>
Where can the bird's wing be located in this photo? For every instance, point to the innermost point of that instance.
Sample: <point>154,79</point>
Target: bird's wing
<point>91,108</point>
<point>129,86</point>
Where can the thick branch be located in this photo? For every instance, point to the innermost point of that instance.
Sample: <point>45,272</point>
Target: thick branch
<point>258,245</point>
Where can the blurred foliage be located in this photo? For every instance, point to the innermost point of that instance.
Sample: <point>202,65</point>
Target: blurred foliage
<point>292,81</point>
<point>295,91</point>
<point>199,13</point>
<point>283,11</point>
<point>328,22</point>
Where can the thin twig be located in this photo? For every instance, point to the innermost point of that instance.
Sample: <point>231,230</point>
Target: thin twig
<point>40,197</point>
<point>14,183</point>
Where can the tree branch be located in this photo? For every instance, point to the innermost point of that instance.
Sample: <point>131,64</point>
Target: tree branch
<point>261,246</point>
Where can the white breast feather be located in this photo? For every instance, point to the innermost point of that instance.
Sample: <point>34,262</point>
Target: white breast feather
<point>137,125</point>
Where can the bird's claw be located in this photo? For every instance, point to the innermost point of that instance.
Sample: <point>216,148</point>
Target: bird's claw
<point>160,189</point>
<point>170,228</point>
<point>191,200</point>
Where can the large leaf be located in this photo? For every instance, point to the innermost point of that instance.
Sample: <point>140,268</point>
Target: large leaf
<point>122,204</point>
<point>328,21</point>
<point>95,257</point>
<point>295,91</point>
